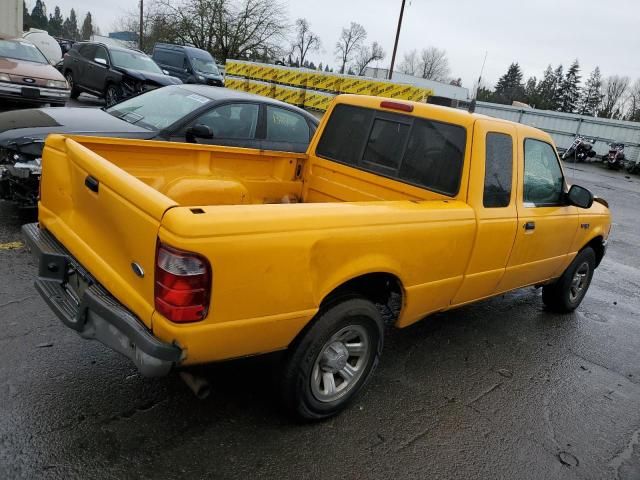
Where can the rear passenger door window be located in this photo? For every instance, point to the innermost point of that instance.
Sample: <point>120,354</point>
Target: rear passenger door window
<point>286,130</point>
<point>498,170</point>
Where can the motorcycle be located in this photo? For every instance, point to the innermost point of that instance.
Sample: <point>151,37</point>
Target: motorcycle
<point>633,167</point>
<point>580,150</point>
<point>615,158</point>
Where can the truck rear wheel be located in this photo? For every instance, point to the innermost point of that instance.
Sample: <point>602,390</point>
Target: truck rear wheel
<point>333,359</point>
<point>566,293</point>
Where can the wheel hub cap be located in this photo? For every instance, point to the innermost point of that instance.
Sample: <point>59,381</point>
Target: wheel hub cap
<point>579,281</point>
<point>334,358</point>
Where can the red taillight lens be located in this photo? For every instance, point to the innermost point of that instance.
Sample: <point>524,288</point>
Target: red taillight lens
<point>403,107</point>
<point>183,285</point>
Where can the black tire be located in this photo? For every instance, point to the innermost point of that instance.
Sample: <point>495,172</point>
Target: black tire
<point>112,94</point>
<point>566,293</point>
<point>75,92</point>
<point>300,388</point>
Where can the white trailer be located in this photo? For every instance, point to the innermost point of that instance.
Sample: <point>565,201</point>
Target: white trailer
<point>11,18</point>
<point>564,127</point>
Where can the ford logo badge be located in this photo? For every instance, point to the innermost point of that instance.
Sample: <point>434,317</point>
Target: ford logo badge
<point>29,80</point>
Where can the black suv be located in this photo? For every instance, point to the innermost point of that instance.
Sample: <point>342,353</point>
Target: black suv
<point>113,73</point>
<point>189,64</point>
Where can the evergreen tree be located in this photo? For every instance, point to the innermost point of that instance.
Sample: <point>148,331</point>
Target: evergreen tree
<point>320,67</point>
<point>570,89</point>
<point>326,68</point>
<point>305,64</point>
<point>39,15</point>
<point>26,18</point>
<point>87,27</point>
<point>55,23</point>
<point>531,92</point>
<point>558,75</point>
<point>312,66</point>
<point>509,86</point>
<point>546,89</point>
<point>484,95</point>
<point>591,94</point>
<point>70,27</point>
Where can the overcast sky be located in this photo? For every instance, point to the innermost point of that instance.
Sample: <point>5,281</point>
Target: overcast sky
<point>531,33</point>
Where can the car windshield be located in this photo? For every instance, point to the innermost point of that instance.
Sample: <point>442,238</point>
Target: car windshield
<point>204,65</point>
<point>159,108</point>
<point>21,51</point>
<point>134,61</point>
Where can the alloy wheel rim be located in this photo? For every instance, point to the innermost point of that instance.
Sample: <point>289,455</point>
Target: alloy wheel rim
<point>340,363</point>
<point>69,78</point>
<point>579,282</point>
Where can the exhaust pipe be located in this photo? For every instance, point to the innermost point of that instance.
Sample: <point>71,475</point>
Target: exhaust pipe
<point>198,385</point>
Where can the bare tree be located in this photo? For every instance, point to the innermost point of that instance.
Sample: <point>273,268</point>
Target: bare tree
<point>366,55</point>
<point>305,40</point>
<point>253,29</point>
<point>434,64</point>
<point>612,105</point>
<point>410,63</point>
<point>633,103</point>
<point>349,43</point>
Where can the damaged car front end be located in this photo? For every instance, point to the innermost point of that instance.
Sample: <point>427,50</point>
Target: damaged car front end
<point>20,171</point>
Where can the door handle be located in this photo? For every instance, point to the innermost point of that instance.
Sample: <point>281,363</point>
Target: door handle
<point>529,226</point>
<point>92,183</point>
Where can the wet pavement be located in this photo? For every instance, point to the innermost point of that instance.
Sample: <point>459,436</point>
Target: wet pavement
<point>500,389</point>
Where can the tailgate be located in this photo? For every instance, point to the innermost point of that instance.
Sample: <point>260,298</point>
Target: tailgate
<point>105,217</point>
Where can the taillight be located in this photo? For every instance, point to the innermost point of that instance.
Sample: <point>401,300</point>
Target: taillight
<point>183,284</point>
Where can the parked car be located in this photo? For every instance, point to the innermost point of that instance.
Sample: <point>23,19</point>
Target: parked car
<point>27,77</point>
<point>189,64</point>
<point>111,72</point>
<point>176,255</point>
<point>177,113</point>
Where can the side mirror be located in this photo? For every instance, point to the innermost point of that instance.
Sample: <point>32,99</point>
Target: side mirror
<point>166,72</point>
<point>101,61</point>
<point>580,197</point>
<point>198,131</point>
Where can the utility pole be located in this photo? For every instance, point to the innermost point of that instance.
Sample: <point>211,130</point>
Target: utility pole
<point>395,45</point>
<point>141,26</point>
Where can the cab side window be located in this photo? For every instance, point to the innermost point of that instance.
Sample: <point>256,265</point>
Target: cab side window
<point>498,170</point>
<point>543,179</point>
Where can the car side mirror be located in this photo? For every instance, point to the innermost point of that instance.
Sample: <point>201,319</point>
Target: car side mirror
<point>166,72</point>
<point>101,61</point>
<point>580,197</point>
<point>199,131</point>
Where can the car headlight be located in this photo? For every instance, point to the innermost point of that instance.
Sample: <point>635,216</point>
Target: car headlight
<point>4,77</point>
<point>57,84</point>
<point>201,78</point>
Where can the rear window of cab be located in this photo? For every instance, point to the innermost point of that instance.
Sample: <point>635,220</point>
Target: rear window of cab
<point>425,153</point>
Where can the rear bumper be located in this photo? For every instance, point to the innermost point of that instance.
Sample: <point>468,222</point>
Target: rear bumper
<point>13,91</point>
<point>94,314</point>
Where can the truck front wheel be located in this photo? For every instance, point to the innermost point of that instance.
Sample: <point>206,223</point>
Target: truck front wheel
<point>566,293</point>
<point>333,359</point>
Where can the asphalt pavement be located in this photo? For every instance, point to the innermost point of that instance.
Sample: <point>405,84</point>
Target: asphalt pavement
<point>499,389</point>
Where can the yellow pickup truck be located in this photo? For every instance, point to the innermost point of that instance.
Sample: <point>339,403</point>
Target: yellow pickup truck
<point>182,254</point>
